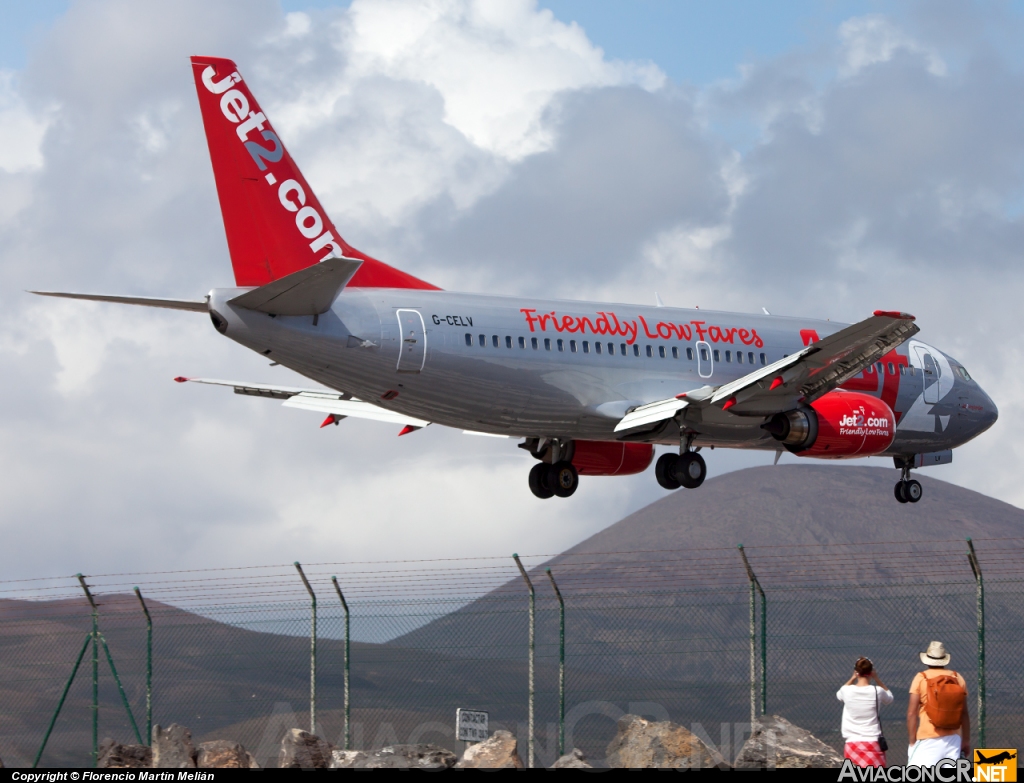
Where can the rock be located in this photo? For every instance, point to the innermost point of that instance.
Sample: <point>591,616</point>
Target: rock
<point>302,750</point>
<point>346,759</point>
<point>644,744</point>
<point>113,755</point>
<point>574,759</point>
<point>395,757</point>
<point>223,754</point>
<point>172,747</point>
<point>496,752</point>
<point>775,742</point>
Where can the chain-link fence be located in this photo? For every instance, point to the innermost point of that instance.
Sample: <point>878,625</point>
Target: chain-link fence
<point>690,636</point>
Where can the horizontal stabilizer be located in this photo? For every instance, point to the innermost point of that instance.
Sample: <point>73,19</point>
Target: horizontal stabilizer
<point>337,404</point>
<point>310,291</point>
<point>198,306</point>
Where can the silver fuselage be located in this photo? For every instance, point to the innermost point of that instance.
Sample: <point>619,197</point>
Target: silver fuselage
<point>533,368</point>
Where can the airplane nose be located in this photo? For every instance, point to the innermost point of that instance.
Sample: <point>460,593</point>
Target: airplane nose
<point>989,413</point>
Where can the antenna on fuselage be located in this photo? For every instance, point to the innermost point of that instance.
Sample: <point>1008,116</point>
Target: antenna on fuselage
<point>657,300</point>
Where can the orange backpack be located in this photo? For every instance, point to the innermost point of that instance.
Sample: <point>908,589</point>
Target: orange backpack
<point>946,697</point>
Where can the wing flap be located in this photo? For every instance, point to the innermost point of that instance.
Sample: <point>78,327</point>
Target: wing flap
<point>357,409</point>
<point>651,413</point>
<point>310,291</point>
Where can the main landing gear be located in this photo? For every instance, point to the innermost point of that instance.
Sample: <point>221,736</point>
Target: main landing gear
<point>555,475</point>
<point>907,490</point>
<point>560,479</point>
<point>687,469</point>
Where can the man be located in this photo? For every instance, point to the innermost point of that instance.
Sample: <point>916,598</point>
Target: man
<point>936,695</point>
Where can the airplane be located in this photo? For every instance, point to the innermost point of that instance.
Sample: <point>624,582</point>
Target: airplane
<point>997,758</point>
<point>589,388</point>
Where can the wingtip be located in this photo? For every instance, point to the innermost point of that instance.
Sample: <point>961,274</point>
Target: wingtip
<point>895,314</point>
<point>181,379</point>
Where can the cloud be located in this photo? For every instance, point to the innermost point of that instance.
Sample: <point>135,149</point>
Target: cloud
<point>867,40</point>
<point>21,131</point>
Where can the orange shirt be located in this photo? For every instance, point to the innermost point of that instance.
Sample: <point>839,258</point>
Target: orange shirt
<point>925,729</point>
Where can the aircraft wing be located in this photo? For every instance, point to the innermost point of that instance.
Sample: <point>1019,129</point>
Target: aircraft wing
<point>337,405</point>
<point>793,380</point>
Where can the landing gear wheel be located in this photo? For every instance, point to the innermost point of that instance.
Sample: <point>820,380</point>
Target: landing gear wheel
<point>690,470</point>
<point>913,491</point>
<point>900,492</point>
<point>663,471</point>
<point>563,479</point>
<point>539,485</point>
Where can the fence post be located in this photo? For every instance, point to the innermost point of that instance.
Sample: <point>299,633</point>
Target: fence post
<point>312,649</point>
<point>95,671</point>
<point>120,688</point>
<point>561,666</point>
<point>764,649</point>
<point>344,605</point>
<point>149,668</point>
<point>60,704</point>
<point>529,716</point>
<point>755,590</point>
<point>972,558</point>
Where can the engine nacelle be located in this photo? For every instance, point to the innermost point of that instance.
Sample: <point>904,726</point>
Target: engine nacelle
<point>839,425</point>
<point>611,458</point>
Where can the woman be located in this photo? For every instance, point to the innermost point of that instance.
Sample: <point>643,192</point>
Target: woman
<point>861,724</point>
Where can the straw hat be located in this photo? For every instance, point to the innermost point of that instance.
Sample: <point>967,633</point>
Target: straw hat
<point>935,655</point>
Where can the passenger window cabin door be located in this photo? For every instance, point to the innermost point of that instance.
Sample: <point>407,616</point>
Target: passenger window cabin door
<point>705,363</point>
<point>412,341</point>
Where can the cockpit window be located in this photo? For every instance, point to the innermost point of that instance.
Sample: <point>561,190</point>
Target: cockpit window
<point>963,373</point>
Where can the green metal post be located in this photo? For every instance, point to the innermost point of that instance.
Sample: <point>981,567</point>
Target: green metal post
<point>149,669</point>
<point>95,671</point>
<point>120,688</point>
<point>312,650</point>
<point>755,589</point>
<point>63,696</point>
<point>529,716</point>
<point>561,666</point>
<point>348,713</point>
<point>764,650</point>
<point>972,557</point>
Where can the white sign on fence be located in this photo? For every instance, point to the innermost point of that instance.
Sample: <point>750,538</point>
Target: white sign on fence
<point>471,725</point>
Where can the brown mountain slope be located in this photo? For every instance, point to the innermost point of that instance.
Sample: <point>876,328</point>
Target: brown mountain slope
<point>807,504</point>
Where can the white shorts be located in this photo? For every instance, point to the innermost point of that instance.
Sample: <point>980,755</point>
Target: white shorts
<point>929,752</point>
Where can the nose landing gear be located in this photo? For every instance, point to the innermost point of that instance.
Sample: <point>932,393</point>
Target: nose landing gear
<point>907,490</point>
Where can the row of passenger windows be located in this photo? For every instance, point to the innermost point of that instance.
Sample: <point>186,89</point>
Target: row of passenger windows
<point>621,349</point>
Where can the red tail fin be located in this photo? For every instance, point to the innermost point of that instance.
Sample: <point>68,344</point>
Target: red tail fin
<point>274,222</point>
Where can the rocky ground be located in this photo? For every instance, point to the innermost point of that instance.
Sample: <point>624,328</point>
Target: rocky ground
<point>637,744</point>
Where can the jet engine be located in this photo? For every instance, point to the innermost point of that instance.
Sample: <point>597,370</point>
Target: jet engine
<point>610,458</point>
<point>839,425</point>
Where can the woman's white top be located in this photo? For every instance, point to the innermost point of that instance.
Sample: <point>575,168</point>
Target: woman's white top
<point>860,715</point>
